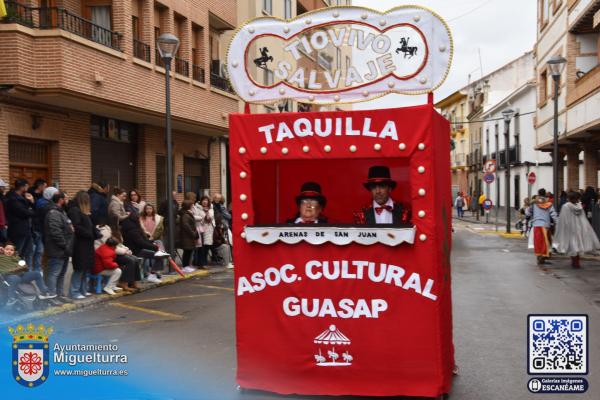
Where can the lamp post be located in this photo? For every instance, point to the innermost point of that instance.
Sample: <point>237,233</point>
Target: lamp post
<point>168,44</point>
<point>507,115</point>
<point>556,65</point>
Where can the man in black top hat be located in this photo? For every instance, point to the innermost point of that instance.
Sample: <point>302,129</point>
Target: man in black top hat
<point>310,203</point>
<point>383,210</point>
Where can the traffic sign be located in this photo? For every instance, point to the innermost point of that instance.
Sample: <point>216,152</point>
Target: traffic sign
<point>488,204</point>
<point>531,178</point>
<point>489,166</point>
<point>489,178</point>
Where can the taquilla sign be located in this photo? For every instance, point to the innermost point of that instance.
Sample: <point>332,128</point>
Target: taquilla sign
<point>340,54</point>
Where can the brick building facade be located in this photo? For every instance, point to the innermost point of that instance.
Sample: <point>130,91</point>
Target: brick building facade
<point>571,29</point>
<point>82,93</point>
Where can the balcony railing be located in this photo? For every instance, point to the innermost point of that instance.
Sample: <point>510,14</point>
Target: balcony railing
<point>198,73</point>
<point>158,59</point>
<point>141,50</point>
<point>182,67</point>
<point>59,18</point>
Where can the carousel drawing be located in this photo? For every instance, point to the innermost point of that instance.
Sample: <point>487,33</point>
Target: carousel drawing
<point>332,337</point>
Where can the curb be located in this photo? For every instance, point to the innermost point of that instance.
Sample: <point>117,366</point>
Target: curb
<point>102,298</point>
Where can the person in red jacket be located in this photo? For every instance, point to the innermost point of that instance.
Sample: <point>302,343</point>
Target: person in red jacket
<point>106,265</point>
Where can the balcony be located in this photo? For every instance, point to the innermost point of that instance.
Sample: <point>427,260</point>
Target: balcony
<point>198,73</point>
<point>82,71</point>
<point>182,67</point>
<point>217,80</point>
<point>141,50</point>
<point>59,18</point>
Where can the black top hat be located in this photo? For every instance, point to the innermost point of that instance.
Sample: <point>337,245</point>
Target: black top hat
<point>379,174</point>
<point>311,190</point>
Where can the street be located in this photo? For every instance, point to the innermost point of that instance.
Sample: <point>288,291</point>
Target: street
<point>496,284</point>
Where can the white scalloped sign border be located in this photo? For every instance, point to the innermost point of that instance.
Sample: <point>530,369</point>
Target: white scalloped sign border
<point>433,73</point>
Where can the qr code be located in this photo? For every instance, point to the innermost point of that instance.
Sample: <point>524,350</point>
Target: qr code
<point>557,344</point>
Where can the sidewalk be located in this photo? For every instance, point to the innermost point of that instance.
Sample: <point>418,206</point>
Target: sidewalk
<point>480,226</point>
<point>101,298</point>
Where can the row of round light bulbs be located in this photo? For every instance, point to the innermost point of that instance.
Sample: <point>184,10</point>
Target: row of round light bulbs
<point>420,169</point>
<point>327,148</point>
<point>336,14</point>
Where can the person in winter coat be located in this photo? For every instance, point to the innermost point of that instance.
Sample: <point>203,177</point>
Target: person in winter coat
<point>188,234</point>
<point>19,212</point>
<point>128,263</point>
<point>98,202</point>
<point>163,211</point>
<point>207,222</point>
<point>542,214</point>
<point>134,202</point>
<point>459,203</point>
<point>221,242</point>
<point>152,223</point>
<point>83,247</point>
<point>135,238</point>
<point>41,207</point>
<point>14,271</point>
<point>106,265</point>
<point>116,208</point>
<point>58,243</point>
<point>574,235</point>
<point>588,199</point>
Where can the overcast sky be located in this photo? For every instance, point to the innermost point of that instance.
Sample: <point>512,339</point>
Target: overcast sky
<point>501,30</point>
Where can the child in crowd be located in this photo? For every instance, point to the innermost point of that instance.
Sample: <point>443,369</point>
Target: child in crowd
<point>106,265</point>
<point>15,273</point>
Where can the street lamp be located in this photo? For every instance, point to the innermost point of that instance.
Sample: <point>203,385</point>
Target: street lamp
<point>556,65</point>
<point>168,44</point>
<point>507,115</point>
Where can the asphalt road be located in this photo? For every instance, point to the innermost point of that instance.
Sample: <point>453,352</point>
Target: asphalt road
<point>189,326</point>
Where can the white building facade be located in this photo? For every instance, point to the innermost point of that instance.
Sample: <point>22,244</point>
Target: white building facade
<point>513,86</point>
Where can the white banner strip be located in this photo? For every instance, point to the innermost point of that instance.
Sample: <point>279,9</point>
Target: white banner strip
<point>321,234</point>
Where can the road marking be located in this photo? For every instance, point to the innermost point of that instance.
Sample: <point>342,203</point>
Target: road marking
<point>215,287</point>
<point>111,324</point>
<point>191,296</point>
<point>148,310</point>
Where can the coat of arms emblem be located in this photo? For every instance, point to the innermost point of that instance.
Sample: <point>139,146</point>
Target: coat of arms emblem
<point>30,354</point>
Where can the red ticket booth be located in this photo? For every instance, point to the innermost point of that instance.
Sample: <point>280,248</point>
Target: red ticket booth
<point>342,308</point>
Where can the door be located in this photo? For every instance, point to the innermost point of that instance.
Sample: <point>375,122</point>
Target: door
<point>114,163</point>
<point>28,159</point>
<point>48,14</point>
<point>196,176</point>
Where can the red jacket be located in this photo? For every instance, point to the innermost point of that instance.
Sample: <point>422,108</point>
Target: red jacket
<point>2,216</point>
<point>105,259</point>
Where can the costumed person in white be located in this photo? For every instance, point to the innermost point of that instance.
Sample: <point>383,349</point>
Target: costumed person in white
<point>310,204</point>
<point>574,235</point>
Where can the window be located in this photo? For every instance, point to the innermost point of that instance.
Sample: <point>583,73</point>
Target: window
<point>556,5</point>
<point>112,129</point>
<point>543,87</point>
<point>287,12</point>
<point>268,6</point>
<point>544,13</point>
<point>135,27</point>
